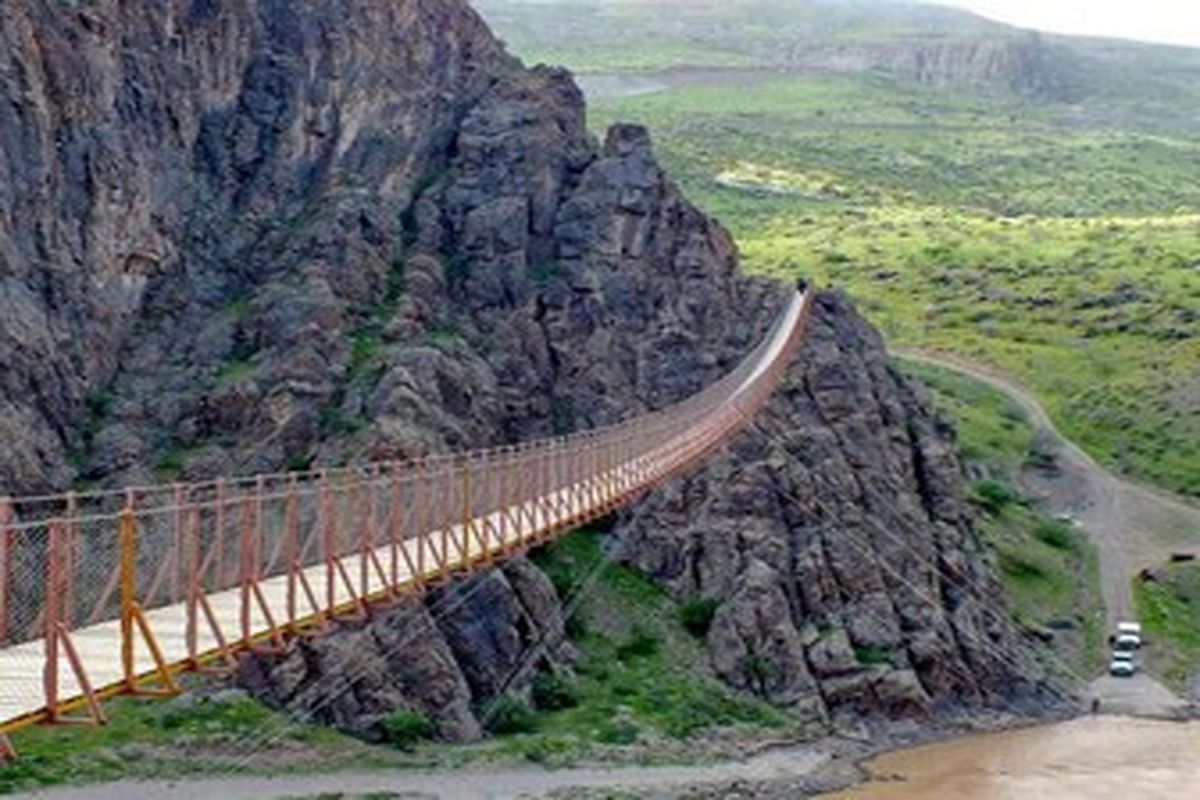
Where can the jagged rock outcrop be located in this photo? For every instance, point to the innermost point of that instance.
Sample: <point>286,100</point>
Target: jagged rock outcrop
<point>839,523</point>
<point>239,236</point>
<point>446,657</point>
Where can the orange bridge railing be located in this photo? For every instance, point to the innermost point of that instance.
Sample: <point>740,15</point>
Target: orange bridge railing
<point>107,593</point>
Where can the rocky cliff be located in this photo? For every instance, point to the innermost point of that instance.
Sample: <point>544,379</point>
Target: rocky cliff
<point>1026,64</point>
<point>242,235</point>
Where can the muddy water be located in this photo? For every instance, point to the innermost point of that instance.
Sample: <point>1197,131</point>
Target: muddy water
<point>1085,759</point>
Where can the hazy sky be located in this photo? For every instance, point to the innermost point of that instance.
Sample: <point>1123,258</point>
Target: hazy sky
<point>1173,21</point>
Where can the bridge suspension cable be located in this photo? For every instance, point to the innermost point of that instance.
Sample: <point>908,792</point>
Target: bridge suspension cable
<point>107,593</point>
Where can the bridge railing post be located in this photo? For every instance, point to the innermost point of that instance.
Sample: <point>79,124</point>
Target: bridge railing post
<point>51,613</point>
<point>395,527</point>
<point>6,556</point>
<point>219,534</point>
<point>328,533</point>
<point>421,518</point>
<point>467,517</point>
<point>503,467</point>
<point>364,498</point>
<point>291,549</point>
<point>70,548</point>
<point>179,524</point>
<point>195,586</point>
<point>129,555</point>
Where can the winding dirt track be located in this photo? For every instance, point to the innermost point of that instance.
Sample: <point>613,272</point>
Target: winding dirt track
<point>1134,527</point>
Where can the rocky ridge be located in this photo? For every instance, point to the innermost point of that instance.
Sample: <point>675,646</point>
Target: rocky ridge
<point>240,236</point>
<point>1026,64</point>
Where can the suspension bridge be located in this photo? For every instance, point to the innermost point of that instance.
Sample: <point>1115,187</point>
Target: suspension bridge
<point>118,592</point>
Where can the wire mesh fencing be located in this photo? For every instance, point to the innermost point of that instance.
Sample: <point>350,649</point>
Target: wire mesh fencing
<point>100,591</point>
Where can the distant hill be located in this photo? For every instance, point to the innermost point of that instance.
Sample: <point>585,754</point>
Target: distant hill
<point>928,44</point>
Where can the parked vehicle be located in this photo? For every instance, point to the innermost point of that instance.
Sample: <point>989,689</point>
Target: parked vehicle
<point>1123,664</point>
<point>1129,628</point>
<point>1126,643</point>
<point>1128,637</point>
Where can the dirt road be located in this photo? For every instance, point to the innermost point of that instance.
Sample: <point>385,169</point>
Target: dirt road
<point>1134,527</point>
<point>469,784</point>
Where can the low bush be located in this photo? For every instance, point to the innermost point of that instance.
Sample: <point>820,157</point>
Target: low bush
<point>510,715</point>
<point>641,644</point>
<point>872,656</point>
<point>696,615</point>
<point>1056,534</point>
<point>554,692</point>
<point>994,496</point>
<point>404,729</point>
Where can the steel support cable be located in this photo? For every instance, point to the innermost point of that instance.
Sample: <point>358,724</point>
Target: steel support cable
<point>579,593</point>
<point>641,468</point>
<point>935,568</point>
<point>349,680</point>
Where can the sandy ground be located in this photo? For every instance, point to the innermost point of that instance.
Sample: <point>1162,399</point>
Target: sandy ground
<point>784,764</point>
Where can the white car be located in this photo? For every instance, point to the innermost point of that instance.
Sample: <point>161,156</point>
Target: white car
<point>1123,664</point>
<point>1128,636</point>
<point>1124,643</point>
<point>1129,629</point>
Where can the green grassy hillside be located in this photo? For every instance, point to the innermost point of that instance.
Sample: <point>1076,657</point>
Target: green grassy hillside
<point>1056,240</point>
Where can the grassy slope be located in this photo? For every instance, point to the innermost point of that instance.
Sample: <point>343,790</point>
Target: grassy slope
<point>642,680</point>
<point>1092,296</point>
<point>187,736</point>
<point>1060,243</point>
<point>1169,607</point>
<point>1049,571</point>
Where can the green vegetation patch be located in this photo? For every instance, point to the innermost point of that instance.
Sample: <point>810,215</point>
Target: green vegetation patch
<point>641,677</point>
<point>982,226</point>
<point>190,735</point>
<point>1049,571</point>
<point>1169,607</point>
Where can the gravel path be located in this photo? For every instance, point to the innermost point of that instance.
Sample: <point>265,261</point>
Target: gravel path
<point>1134,527</point>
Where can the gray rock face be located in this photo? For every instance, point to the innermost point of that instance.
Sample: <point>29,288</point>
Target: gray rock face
<point>1027,63</point>
<point>445,657</point>
<point>839,521</point>
<point>240,236</point>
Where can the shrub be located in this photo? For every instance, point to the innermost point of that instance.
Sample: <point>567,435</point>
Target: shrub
<point>759,672</point>
<point>641,643</point>
<point>405,728</point>
<point>553,692</point>
<point>511,715</point>
<point>871,656</point>
<point>1022,569</point>
<point>696,615</point>
<point>457,270</point>
<point>620,732</point>
<point>994,496</point>
<point>576,625</point>
<point>1056,535</point>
